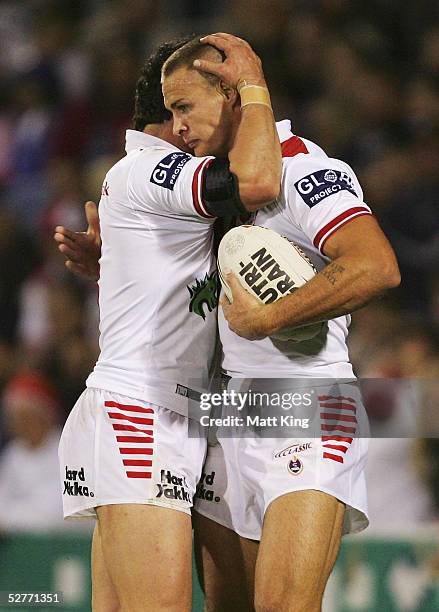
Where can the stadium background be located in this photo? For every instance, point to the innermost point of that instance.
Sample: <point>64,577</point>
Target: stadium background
<point>359,78</point>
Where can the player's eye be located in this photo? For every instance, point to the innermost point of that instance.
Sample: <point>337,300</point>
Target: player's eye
<point>183,108</point>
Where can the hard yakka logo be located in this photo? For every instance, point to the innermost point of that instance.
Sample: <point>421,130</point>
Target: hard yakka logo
<point>203,489</point>
<point>173,487</point>
<point>73,483</point>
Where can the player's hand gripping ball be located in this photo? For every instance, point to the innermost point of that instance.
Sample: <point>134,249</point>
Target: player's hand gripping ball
<point>269,267</point>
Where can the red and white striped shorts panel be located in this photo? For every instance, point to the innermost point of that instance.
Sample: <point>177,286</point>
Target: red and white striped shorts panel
<point>134,431</point>
<point>116,449</point>
<point>338,420</point>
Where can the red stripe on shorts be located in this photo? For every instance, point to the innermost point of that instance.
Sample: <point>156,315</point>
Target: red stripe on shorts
<point>121,427</point>
<point>139,474</point>
<point>323,398</point>
<point>333,457</point>
<point>124,417</point>
<point>338,417</point>
<point>338,406</point>
<point>135,439</point>
<point>337,439</point>
<point>138,462</point>
<point>135,451</point>
<point>343,449</point>
<point>339,427</point>
<point>129,408</point>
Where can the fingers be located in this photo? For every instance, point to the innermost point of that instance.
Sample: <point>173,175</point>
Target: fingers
<point>67,251</point>
<point>223,40</point>
<point>92,216</point>
<point>64,240</point>
<point>62,231</point>
<point>234,283</point>
<point>214,68</point>
<point>78,270</point>
<point>74,267</point>
<point>240,63</point>
<point>73,249</point>
<point>224,301</point>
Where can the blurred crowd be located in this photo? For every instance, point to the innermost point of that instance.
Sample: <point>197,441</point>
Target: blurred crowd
<point>359,78</point>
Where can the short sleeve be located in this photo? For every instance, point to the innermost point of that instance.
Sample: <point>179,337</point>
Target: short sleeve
<point>322,195</point>
<point>169,182</point>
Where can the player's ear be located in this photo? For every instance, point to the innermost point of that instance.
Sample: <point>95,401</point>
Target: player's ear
<point>229,93</point>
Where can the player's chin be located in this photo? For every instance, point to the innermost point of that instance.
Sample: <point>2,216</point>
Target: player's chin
<point>200,150</point>
<point>203,148</point>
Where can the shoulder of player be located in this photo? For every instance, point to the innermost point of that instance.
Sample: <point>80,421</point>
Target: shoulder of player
<point>315,160</point>
<point>309,174</point>
<point>144,162</point>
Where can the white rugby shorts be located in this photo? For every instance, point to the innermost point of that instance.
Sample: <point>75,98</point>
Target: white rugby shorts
<point>118,450</point>
<point>243,475</point>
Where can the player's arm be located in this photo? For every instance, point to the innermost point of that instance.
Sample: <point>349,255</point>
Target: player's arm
<point>82,250</point>
<point>363,266</point>
<point>252,173</point>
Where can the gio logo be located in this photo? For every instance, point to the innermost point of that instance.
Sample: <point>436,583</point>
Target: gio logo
<point>204,293</point>
<point>166,173</point>
<point>319,185</point>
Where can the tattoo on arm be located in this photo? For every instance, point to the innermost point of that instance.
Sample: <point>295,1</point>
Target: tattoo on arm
<point>332,273</point>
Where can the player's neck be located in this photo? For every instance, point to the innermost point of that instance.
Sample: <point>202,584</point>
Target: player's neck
<point>163,131</point>
<point>159,130</point>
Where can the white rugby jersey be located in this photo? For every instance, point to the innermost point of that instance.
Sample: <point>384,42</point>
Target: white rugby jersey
<point>158,281</point>
<point>319,194</point>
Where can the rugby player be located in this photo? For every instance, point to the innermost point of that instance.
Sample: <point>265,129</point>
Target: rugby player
<point>125,455</point>
<point>300,513</point>
<point>299,519</point>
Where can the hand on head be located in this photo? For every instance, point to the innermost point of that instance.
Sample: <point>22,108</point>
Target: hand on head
<point>241,65</point>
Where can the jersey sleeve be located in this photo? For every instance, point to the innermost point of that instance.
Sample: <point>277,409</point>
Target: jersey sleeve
<point>169,182</point>
<point>321,195</point>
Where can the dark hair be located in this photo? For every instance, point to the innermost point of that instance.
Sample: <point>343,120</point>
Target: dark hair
<point>185,54</point>
<point>148,100</point>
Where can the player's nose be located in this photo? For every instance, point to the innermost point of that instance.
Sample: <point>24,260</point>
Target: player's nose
<point>179,127</point>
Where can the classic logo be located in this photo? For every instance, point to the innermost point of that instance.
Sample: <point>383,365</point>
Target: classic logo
<point>173,487</point>
<point>166,173</point>
<point>72,484</point>
<point>203,492</point>
<point>293,450</point>
<point>319,185</point>
<point>295,466</point>
<point>204,293</point>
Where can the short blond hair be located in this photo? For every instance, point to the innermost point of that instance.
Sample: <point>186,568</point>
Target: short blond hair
<point>184,58</point>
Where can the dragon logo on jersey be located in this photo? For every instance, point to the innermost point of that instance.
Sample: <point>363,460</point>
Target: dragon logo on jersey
<point>204,293</point>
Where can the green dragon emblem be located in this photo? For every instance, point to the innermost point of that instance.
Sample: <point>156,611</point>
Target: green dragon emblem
<point>204,293</point>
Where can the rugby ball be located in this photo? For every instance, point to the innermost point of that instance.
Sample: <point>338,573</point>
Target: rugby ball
<point>269,267</point>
